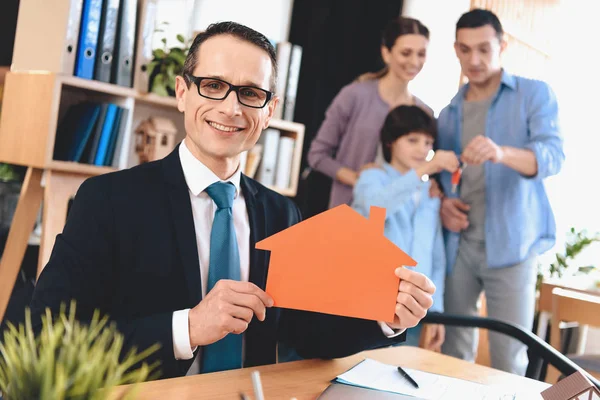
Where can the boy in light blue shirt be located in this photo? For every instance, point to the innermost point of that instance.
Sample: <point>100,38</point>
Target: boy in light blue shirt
<point>412,216</point>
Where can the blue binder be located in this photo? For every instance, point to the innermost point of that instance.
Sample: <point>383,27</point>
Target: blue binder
<point>107,128</point>
<point>119,130</point>
<point>88,38</point>
<point>113,137</point>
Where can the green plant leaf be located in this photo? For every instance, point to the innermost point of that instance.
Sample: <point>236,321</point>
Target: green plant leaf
<point>159,54</point>
<point>178,57</point>
<point>181,38</point>
<point>69,360</point>
<point>159,86</point>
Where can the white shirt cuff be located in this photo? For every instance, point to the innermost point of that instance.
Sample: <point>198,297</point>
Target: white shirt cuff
<point>389,332</point>
<point>181,335</point>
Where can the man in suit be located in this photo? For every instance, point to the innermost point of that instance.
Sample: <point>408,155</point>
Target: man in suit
<point>167,248</point>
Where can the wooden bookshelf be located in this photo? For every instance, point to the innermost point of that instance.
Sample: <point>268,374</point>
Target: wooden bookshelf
<point>79,168</point>
<point>37,92</point>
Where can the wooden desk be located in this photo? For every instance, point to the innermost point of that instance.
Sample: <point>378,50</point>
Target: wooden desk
<point>305,380</point>
<point>578,284</point>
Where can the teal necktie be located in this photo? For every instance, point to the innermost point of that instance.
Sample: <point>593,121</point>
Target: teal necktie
<point>224,263</point>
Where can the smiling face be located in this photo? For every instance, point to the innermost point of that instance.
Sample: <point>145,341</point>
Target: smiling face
<point>410,151</point>
<point>407,56</point>
<point>479,50</point>
<point>217,131</point>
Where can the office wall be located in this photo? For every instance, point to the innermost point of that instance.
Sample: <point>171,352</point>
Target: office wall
<point>438,81</point>
<point>186,17</point>
<point>270,17</point>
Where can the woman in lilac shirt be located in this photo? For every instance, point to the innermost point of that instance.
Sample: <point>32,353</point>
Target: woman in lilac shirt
<point>355,117</point>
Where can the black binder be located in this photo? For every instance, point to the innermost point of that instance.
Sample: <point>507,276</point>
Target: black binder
<point>123,67</point>
<point>106,40</point>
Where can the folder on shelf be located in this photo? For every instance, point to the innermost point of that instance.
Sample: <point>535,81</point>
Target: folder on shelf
<point>266,171</point>
<point>57,51</point>
<point>253,161</point>
<point>88,38</point>
<point>83,131</point>
<point>106,40</point>
<point>107,128</point>
<point>146,25</point>
<point>292,83</point>
<point>123,67</point>
<point>284,52</point>
<point>93,148</point>
<point>285,155</point>
<point>118,131</point>
<point>121,140</point>
<point>65,132</point>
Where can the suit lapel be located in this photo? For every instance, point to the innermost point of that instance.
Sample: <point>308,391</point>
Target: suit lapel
<point>256,217</point>
<point>261,337</point>
<point>183,223</point>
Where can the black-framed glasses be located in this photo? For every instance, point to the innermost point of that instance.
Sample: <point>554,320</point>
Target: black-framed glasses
<point>217,89</point>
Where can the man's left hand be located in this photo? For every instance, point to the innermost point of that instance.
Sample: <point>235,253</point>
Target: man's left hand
<point>480,150</point>
<point>415,297</point>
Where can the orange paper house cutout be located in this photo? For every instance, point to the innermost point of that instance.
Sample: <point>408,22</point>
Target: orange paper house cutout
<point>337,262</point>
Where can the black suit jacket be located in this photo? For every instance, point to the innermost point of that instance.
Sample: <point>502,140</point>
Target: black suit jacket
<point>129,249</point>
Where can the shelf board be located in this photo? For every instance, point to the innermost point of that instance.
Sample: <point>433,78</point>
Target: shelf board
<point>288,192</point>
<point>97,86</point>
<point>79,168</point>
<point>155,99</point>
<point>286,125</point>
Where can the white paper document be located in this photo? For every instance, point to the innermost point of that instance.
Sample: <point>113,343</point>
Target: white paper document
<point>376,375</point>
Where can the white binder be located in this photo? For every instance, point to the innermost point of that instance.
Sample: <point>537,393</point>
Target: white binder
<point>268,163</point>
<point>284,162</point>
<point>46,36</point>
<point>146,24</point>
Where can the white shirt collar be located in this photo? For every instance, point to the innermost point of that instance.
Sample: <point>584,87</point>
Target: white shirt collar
<point>198,176</point>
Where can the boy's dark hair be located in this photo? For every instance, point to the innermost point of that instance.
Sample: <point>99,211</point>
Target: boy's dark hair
<point>401,121</point>
<point>238,31</point>
<point>477,18</point>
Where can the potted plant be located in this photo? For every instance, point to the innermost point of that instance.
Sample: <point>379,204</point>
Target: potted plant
<point>166,64</point>
<point>68,359</point>
<point>577,241</point>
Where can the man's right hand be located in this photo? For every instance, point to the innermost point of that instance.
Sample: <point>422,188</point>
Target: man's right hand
<point>227,308</point>
<point>454,217</point>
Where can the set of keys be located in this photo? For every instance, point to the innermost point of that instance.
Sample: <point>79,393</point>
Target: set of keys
<point>456,175</point>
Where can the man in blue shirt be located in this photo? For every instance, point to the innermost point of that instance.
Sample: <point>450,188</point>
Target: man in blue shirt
<point>505,129</point>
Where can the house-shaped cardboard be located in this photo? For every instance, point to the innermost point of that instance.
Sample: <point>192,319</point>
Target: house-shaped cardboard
<point>574,387</point>
<point>337,262</point>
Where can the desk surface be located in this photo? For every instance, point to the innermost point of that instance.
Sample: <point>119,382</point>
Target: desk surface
<point>306,379</point>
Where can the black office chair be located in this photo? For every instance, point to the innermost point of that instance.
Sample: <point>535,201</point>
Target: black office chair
<point>537,347</point>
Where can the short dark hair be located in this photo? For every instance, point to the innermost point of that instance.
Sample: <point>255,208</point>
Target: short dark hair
<point>238,31</point>
<point>477,18</point>
<point>401,121</point>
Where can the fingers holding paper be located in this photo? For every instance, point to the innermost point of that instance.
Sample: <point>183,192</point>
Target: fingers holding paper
<point>227,308</point>
<point>415,297</point>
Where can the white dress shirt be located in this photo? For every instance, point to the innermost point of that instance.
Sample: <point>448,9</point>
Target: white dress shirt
<point>198,177</point>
